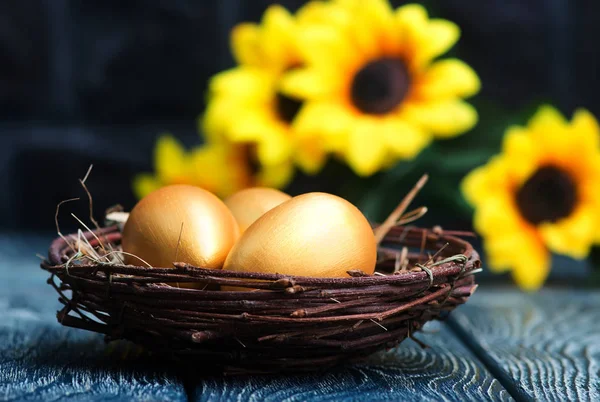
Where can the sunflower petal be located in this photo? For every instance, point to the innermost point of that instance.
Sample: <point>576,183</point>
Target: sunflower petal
<point>381,17</point>
<point>425,39</point>
<point>498,217</point>
<point>486,182</point>
<point>550,131</point>
<point>310,154</point>
<point>274,148</point>
<point>366,152</point>
<point>373,27</point>
<point>245,44</point>
<point>444,119</point>
<point>169,159</point>
<point>220,168</point>
<point>586,127</point>
<point>404,139</point>
<point>327,14</point>
<point>207,167</point>
<point>448,78</point>
<point>585,142</point>
<point>327,47</point>
<point>330,121</point>
<point>277,20</point>
<point>307,83</point>
<point>243,83</point>
<point>278,29</point>
<point>277,176</point>
<point>511,244</point>
<point>441,36</point>
<point>524,153</point>
<point>504,251</point>
<point>347,3</point>
<point>249,126</point>
<point>532,266</point>
<point>144,184</point>
<point>546,117</point>
<point>215,120</point>
<point>572,236</point>
<point>413,16</point>
<point>476,184</point>
<point>315,12</point>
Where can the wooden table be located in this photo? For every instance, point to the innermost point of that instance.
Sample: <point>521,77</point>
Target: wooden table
<point>502,345</point>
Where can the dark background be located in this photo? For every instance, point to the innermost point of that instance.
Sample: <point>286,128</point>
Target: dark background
<point>96,81</point>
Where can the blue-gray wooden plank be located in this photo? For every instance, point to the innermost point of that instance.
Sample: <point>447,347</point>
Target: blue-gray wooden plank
<point>445,372</point>
<point>543,346</point>
<point>40,360</point>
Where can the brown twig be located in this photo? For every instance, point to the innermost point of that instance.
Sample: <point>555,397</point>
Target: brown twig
<point>391,220</point>
<point>89,195</point>
<point>60,204</point>
<point>412,216</point>
<point>178,243</point>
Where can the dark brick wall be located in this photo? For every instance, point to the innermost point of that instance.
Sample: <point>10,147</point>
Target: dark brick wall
<point>95,81</point>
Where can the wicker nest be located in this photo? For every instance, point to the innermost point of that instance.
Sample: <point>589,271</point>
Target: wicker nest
<point>289,323</point>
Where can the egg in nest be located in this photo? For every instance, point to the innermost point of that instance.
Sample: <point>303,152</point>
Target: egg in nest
<point>251,203</point>
<point>179,223</point>
<point>314,234</point>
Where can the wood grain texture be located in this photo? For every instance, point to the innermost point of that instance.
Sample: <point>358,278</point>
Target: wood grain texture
<point>544,346</point>
<point>40,360</point>
<point>445,372</point>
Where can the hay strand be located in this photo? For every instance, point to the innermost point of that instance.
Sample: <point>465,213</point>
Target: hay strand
<point>395,216</point>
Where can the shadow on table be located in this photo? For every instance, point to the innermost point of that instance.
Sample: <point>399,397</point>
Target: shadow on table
<point>445,368</point>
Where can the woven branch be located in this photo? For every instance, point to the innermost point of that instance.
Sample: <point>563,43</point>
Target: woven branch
<point>282,322</point>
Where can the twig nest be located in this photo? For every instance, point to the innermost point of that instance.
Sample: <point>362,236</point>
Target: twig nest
<point>179,223</point>
<point>314,234</point>
<point>250,204</point>
<point>335,320</point>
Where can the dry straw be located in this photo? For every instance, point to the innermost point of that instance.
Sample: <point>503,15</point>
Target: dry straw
<point>282,323</point>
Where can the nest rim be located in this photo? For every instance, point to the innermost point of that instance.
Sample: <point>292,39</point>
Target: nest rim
<point>57,259</point>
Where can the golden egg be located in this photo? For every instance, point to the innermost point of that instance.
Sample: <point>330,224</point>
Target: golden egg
<point>314,234</point>
<point>250,204</point>
<point>154,230</point>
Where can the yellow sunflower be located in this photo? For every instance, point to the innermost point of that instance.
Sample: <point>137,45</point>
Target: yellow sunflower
<point>247,105</point>
<point>218,168</point>
<point>539,195</point>
<point>373,91</point>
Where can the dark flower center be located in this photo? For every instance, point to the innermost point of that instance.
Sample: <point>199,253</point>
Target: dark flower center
<point>253,163</point>
<point>380,85</point>
<point>287,107</point>
<point>547,196</point>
